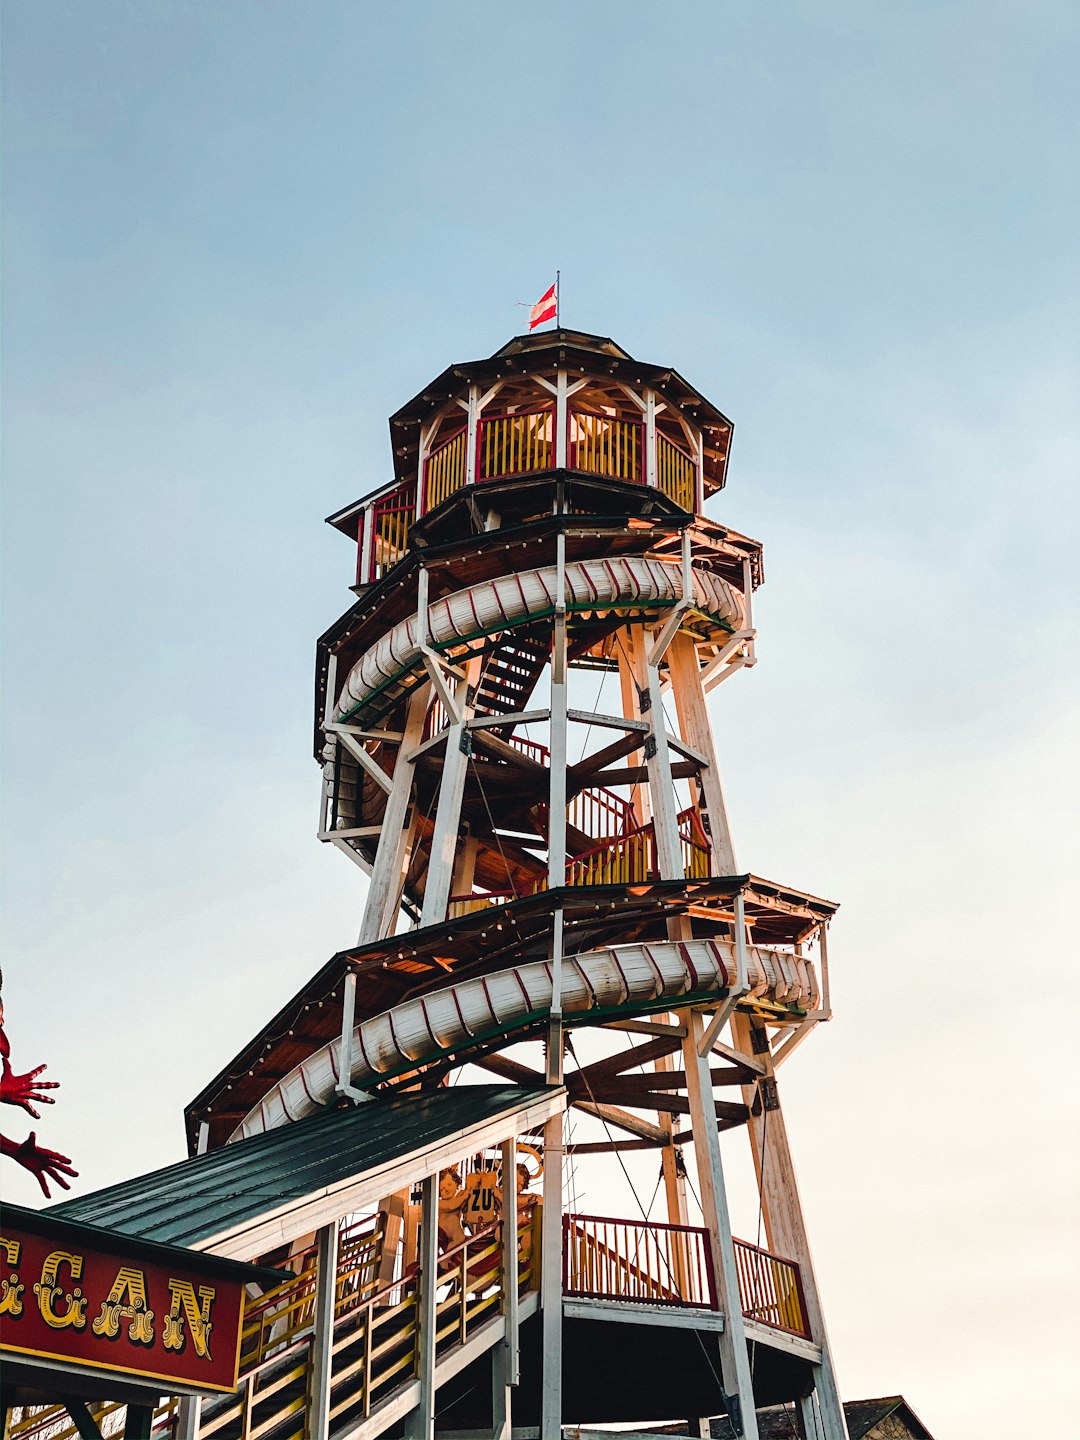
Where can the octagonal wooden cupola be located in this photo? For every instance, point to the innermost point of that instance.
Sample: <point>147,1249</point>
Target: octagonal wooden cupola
<point>560,404</point>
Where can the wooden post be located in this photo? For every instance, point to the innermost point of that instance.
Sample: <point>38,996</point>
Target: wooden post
<point>782,1210</point>
<point>650,438</point>
<point>551,1282</point>
<point>420,1422</point>
<point>504,1358</point>
<point>322,1346</point>
<point>188,1416</point>
<point>384,886</point>
<point>557,811</point>
<point>448,813</point>
<point>657,763</point>
<point>562,425</point>
<point>734,1359</point>
<point>693,713</point>
<point>471,433</point>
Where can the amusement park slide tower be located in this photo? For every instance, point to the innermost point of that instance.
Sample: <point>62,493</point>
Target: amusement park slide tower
<point>541,867</point>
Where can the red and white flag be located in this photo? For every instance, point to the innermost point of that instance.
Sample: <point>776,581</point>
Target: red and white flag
<point>546,308</point>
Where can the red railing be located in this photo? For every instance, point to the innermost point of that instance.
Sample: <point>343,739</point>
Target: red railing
<point>771,1289</point>
<point>696,850</point>
<point>658,1264</point>
<point>385,533</point>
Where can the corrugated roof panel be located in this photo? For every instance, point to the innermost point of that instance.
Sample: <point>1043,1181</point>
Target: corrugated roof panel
<point>193,1199</point>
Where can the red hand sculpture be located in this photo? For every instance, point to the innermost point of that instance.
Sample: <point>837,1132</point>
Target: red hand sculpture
<point>43,1164</point>
<point>25,1090</point>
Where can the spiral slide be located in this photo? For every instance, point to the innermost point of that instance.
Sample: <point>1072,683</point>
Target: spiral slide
<point>628,980</point>
<point>592,586</point>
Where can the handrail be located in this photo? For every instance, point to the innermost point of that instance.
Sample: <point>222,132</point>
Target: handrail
<point>661,1264</point>
<point>771,1289</point>
<point>676,472</point>
<point>444,468</point>
<point>606,445</point>
<point>384,533</point>
<point>507,444</point>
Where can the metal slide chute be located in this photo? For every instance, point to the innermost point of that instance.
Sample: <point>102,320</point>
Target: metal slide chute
<point>647,587</point>
<point>626,980</point>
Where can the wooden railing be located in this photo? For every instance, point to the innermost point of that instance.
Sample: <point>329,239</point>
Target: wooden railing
<point>696,850</point>
<point>384,539</point>
<point>628,858</point>
<point>604,445</point>
<point>637,1260</point>
<point>771,1289</point>
<point>676,473</point>
<point>444,469</point>
<point>606,1259</point>
<point>515,444</point>
<point>624,860</point>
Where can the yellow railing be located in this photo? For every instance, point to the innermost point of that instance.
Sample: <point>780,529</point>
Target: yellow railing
<point>445,470</point>
<point>603,445</point>
<point>676,473</point>
<point>771,1289</point>
<point>384,535</point>
<point>515,444</point>
<point>626,860</point>
<point>696,850</point>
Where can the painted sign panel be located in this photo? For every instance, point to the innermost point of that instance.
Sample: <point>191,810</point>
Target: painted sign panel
<point>481,1205</point>
<point>68,1301</point>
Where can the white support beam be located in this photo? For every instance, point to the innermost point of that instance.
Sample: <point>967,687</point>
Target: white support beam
<point>562,424</point>
<point>189,1416</point>
<point>382,900</point>
<point>693,712</point>
<point>785,1224</point>
<point>362,758</point>
<point>322,1350</point>
<point>682,605</point>
<point>508,717</point>
<point>557,808</point>
<point>658,762</point>
<point>735,1362</point>
<point>470,434</point>
<point>551,1282</point>
<point>510,1259</point>
<point>608,722</point>
<point>438,671</point>
<point>420,1423</point>
<point>448,813</point>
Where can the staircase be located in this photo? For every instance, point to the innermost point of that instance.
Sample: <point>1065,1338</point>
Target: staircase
<point>510,674</point>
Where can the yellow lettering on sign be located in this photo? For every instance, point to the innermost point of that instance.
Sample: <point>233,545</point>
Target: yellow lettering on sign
<point>48,1290</point>
<point>11,1288</point>
<point>197,1313</point>
<point>126,1299</point>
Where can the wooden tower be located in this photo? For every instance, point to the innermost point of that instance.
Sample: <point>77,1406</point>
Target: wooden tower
<point>546,522</point>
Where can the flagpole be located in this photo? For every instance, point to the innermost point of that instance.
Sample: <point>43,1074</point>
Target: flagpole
<point>558,287</point>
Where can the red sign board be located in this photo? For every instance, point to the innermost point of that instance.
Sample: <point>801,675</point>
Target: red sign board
<point>61,1300</point>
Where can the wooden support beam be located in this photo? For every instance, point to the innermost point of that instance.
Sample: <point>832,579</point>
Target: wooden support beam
<point>633,1124</point>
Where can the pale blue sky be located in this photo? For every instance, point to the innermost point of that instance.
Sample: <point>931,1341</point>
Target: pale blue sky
<point>237,235</point>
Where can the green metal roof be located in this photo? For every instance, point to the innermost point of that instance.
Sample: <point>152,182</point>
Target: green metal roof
<point>208,1194</point>
<point>69,1231</point>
